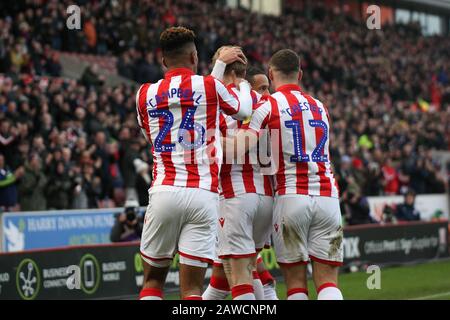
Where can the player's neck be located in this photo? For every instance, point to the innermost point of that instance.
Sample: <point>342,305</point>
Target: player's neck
<point>228,79</point>
<point>284,82</point>
<point>180,66</point>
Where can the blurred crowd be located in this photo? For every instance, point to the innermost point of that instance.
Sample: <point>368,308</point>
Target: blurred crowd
<point>387,91</point>
<point>65,144</point>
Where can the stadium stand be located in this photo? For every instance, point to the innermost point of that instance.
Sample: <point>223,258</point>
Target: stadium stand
<point>388,93</point>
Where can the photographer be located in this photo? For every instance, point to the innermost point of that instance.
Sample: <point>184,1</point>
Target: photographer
<point>128,224</point>
<point>407,210</point>
<point>355,206</point>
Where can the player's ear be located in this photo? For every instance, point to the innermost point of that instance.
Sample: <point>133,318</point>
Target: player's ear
<point>300,75</point>
<point>164,62</point>
<point>270,74</point>
<point>194,58</point>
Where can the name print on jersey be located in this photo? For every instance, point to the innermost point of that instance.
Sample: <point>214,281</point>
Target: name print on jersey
<point>301,107</point>
<point>180,93</point>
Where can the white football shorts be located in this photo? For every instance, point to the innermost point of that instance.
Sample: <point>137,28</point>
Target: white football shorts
<point>182,220</point>
<point>245,224</point>
<point>307,227</point>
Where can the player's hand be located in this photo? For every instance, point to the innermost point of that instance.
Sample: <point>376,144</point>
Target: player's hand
<point>238,81</point>
<point>230,55</point>
<point>122,217</point>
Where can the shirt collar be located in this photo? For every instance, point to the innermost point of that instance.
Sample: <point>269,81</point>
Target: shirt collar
<point>289,87</point>
<point>178,71</point>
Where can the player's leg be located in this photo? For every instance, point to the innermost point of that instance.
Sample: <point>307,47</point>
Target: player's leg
<point>218,287</point>
<point>196,244</point>
<point>262,227</point>
<point>258,287</point>
<point>154,279</point>
<point>239,271</point>
<point>325,247</point>
<point>292,217</point>
<point>191,279</point>
<point>325,278</point>
<point>236,245</point>
<point>294,275</point>
<point>158,242</point>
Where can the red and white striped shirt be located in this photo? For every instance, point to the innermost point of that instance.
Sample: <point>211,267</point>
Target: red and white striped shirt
<point>237,179</point>
<point>180,117</point>
<point>301,124</point>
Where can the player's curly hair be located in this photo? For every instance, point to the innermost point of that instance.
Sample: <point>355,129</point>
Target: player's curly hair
<point>174,39</point>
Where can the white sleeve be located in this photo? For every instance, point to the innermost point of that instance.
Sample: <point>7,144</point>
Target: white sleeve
<point>219,69</point>
<point>238,105</point>
<point>260,117</point>
<point>246,101</point>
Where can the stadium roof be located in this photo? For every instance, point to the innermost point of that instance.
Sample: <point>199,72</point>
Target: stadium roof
<point>432,6</point>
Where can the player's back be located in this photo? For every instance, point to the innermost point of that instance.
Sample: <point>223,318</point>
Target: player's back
<point>304,165</point>
<point>241,178</point>
<point>180,116</point>
<point>306,202</point>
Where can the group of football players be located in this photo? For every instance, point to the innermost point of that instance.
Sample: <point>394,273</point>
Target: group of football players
<point>212,203</point>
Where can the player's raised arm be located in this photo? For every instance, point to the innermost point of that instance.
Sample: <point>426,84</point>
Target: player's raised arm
<point>260,117</point>
<point>226,56</point>
<point>238,106</point>
<point>247,139</point>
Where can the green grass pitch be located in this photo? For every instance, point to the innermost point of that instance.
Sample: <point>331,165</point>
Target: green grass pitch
<point>423,281</point>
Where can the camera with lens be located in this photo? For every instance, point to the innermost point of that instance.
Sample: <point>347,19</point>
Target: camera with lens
<point>128,224</point>
<point>131,214</point>
<point>131,210</point>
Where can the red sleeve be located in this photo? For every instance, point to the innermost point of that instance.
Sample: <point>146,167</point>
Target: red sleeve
<point>141,108</point>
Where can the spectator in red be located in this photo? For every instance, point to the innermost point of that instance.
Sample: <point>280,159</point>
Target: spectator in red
<point>390,178</point>
<point>91,34</point>
<point>169,18</point>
